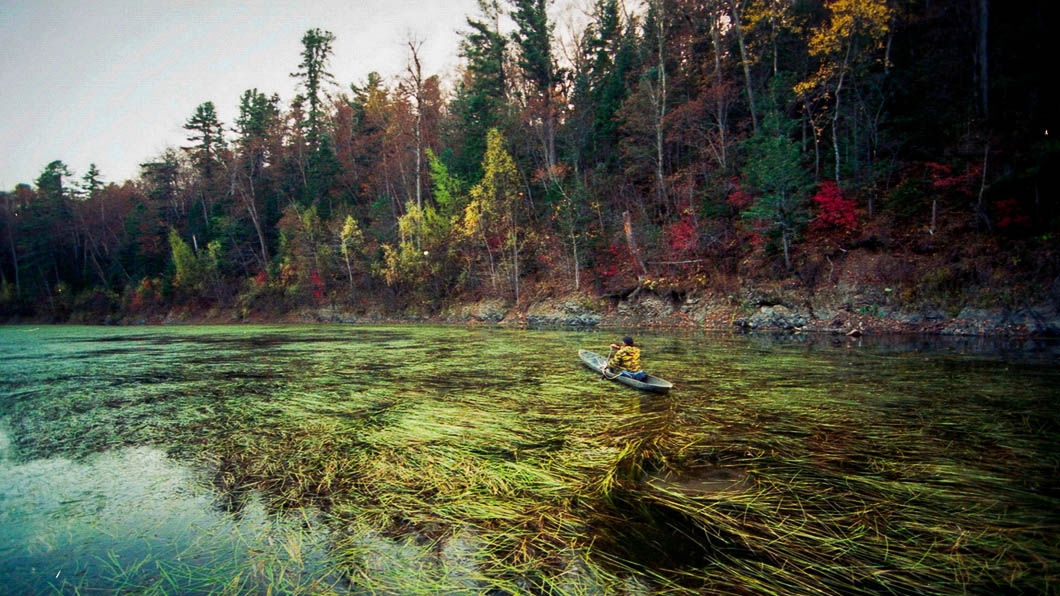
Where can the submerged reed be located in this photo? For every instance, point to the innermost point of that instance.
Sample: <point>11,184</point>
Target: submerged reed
<point>767,471</point>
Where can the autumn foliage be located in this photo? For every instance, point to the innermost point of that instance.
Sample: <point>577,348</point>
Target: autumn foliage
<point>832,211</point>
<point>735,135</point>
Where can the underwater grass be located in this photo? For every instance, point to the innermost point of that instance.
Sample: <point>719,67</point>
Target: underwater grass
<point>771,470</point>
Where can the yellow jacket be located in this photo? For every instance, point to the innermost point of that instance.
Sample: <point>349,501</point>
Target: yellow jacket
<point>626,358</point>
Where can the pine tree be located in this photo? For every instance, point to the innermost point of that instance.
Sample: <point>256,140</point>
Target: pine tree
<point>781,182</point>
<point>480,103</point>
<point>314,75</point>
<point>207,132</point>
<point>533,36</point>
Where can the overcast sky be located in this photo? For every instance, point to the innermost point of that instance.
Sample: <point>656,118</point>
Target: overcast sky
<point>112,82</point>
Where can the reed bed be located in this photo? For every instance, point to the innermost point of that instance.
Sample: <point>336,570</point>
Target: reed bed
<point>769,470</point>
<point>551,494</point>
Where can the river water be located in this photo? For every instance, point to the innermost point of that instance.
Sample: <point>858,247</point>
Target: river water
<point>422,459</point>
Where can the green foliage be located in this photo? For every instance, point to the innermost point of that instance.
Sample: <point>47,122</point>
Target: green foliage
<point>91,182</point>
<point>533,35</point>
<point>782,184</point>
<point>207,133</point>
<point>8,292</point>
<point>448,190</point>
<point>423,261</point>
<point>313,74</point>
<point>49,184</point>
<point>480,102</point>
<point>320,175</point>
<point>188,271</point>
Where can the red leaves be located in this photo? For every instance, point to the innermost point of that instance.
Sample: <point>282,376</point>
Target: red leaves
<point>318,286</point>
<point>616,254</point>
<point>1009,216</point>
<point>739,198</point>
<point>943,178</point>
<point>682,236</point>
<point>833,211</point>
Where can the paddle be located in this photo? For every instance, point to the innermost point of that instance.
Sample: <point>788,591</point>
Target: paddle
<point>603,371</point>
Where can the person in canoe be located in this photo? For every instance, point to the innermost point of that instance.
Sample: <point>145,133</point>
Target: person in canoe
<point>625,360</point>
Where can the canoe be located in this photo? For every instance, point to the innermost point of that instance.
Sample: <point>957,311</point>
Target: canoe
<point>599,364</point>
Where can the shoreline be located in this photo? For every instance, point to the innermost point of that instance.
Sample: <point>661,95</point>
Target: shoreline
<point>646,311</point>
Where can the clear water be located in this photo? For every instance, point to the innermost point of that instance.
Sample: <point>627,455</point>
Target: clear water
<point>114,442</point>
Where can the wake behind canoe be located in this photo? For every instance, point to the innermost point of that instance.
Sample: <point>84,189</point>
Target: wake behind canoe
<point>599,364</point>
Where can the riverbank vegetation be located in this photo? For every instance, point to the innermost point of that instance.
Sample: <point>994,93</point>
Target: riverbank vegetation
<point>672,146</point>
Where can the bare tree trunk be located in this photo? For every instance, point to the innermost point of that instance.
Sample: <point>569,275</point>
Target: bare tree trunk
<point>719,99</point>
<point>634,251</point>
<point>835,115</point>
<point>816,143</point>
<point>416,75</point>
<point>252,208</point>
<point>489,254</point>
<point>716,38</point>
<point>773,36</point>
<point>14,255</point>
<point>743,61</point>
<point>577,271</point>
<point>205,213</point>
<point>660,110</point>
<point>515,260</point>
<point>979,210</point>
<point>349,268</point>
<point>981,51</point>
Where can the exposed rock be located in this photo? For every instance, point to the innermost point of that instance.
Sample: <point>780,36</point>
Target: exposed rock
<point>567,313</point>
<point>977,321</point>
<point>647,308</point>
<point>1037,321</point>
<point>774,317</point>
<point>933,314</point>
<point>908,318</point>
<point>488,311</point>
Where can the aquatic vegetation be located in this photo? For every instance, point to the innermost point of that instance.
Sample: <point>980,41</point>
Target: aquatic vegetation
<point>403,460</point>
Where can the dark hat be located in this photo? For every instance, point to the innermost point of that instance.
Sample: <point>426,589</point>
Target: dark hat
<point>627,340</point>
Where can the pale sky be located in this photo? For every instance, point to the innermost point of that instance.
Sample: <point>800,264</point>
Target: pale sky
<point>113,82</point>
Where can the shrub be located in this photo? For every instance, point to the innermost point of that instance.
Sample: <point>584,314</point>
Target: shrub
<point>832,211</point>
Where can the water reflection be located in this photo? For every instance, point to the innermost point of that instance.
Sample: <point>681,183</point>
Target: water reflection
<point>118,520</point>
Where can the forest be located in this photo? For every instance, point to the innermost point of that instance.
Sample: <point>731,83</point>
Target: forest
<point>673,146</point>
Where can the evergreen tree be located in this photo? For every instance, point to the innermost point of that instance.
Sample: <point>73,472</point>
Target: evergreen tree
<point>91,182</point>
<point>481,97</point>
<point>601,87</point>
<point>207,133</point>
<point>775,171</point>
<point>533,36</point>
<point>313,74</point>
<point>256,124</point>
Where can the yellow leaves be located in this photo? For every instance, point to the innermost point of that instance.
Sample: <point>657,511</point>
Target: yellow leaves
<point>410,224</point>
<point>495,198</point>
<point>351,236</point>
<point>472,220</point>
<point>869,19</point>
<point>404,264</point>
<point>500,180</point>
<point>860,25</point>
